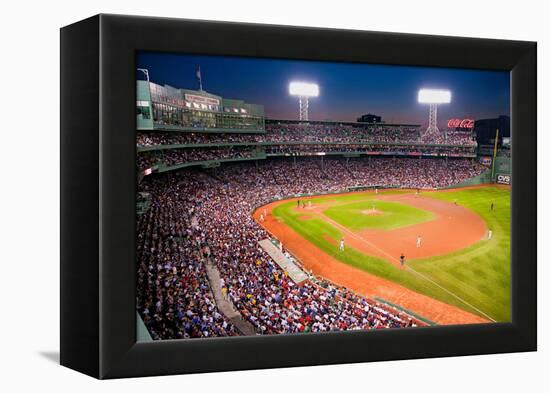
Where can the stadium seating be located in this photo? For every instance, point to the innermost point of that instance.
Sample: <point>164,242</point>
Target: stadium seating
<point>206,213</point>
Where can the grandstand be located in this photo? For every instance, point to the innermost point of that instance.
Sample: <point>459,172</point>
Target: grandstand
<point>159,151</point>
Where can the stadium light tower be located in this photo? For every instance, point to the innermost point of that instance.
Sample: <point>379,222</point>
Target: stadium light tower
<point>433,98</point>
<point>145,71</point>
<point>303,90</point>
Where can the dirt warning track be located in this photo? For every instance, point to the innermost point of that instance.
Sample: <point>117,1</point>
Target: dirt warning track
<point>463,226</point>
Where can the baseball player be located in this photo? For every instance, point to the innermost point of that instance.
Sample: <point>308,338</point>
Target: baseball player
<point>418,241</point>
<point>402,259</point>
<point>489,234</point>
<point>342,244</point>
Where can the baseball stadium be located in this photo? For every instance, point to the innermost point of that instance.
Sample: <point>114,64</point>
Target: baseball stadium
<point>249,224</point>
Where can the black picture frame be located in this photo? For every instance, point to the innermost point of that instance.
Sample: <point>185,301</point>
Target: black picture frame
<point>98,185</point>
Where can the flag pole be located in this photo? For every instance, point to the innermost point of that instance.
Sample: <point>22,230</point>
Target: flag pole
<point>199,77</point>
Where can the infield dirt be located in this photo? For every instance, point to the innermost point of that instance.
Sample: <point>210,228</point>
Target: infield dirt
<point>453,228</point>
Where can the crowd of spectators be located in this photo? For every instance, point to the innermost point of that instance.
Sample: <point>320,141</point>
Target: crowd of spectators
<point>178,156</point>
<point>299,139</point>
<point>189,138</point>
<point>198,214</point>
<point>459,137</point>
<point>296,139</point>
<point>415,173</point>
<point>290,132</point>
<point>172,157</point>
<point>148,160</point>
<point>301,149</point>
<point>173,293</point>
<point>451,137</point>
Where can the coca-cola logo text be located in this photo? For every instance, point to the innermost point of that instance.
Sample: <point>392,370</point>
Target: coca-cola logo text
<point>460,123</point>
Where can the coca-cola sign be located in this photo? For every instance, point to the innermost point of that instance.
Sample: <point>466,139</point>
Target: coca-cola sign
<point>460,123</point>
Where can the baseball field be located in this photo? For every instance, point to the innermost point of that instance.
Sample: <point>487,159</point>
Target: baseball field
<point>456,247</point>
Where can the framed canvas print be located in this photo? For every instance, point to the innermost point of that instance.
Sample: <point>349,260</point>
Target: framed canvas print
<point>238,196</point>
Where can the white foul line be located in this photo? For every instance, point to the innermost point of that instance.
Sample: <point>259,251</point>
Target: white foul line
<point>343,228</point>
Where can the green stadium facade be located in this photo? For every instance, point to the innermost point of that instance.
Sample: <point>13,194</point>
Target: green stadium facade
<point>166,108</point>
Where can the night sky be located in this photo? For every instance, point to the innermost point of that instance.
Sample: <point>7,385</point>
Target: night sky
<point>346,90</point>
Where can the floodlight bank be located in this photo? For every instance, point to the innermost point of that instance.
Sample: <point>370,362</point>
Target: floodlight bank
<point>303,89</point>
<point>430,96</point>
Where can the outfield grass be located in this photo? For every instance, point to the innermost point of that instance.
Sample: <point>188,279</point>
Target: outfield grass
<point>479,274</point>
<point>393,215</point>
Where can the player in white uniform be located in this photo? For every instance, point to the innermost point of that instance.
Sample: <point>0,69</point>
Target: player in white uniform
<point>489,235</point>
<point>342,244</point>
<point>418,241</point>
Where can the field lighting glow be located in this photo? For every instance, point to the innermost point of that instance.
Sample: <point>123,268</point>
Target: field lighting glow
<point>431,96</point>
<point>303,89</point>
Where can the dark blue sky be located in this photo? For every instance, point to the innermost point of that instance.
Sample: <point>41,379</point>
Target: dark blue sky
<point>346,90</point>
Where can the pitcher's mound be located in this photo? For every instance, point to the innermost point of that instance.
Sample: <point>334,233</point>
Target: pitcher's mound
<point>372,212</point>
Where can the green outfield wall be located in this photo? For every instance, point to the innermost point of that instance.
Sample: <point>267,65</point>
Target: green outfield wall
<point>503,165</point>
<point>484,178</point>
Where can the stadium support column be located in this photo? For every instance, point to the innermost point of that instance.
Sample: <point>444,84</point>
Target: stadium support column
<point>303,91</point>
<point>433,98</point>
<point>432,129</point>
<point>304,105</point>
